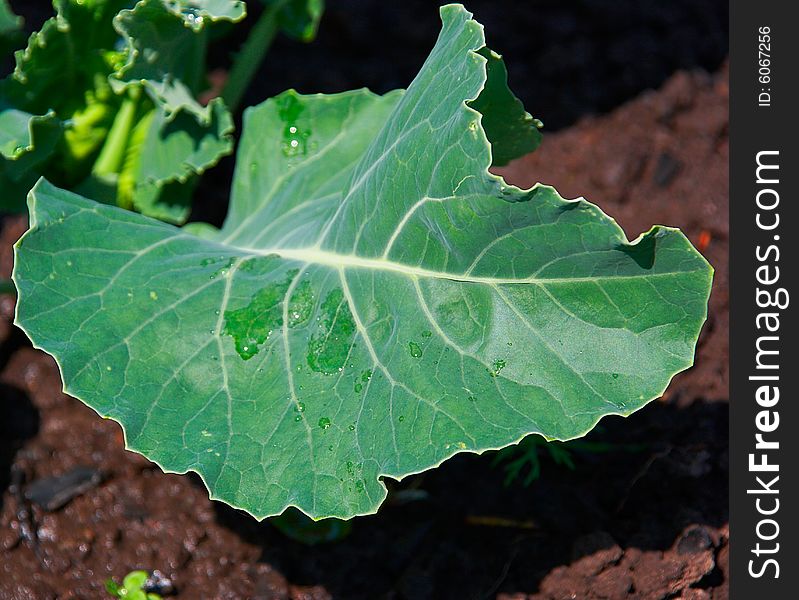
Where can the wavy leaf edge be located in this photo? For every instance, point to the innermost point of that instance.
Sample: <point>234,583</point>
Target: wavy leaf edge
<point>34,223</point>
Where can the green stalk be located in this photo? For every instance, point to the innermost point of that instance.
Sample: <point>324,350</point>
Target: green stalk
<point>251,55</point>
<point>194,75</point>
<point>112,156</point>
<point>129,169</point>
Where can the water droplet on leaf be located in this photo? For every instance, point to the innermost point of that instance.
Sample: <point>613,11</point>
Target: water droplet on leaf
<point>329,348</point>
<point>251,325</point>
<point>497,368</point>
<point>295,137</point>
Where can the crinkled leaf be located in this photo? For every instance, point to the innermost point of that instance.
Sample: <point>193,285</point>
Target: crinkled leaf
<point>26,141</point>
<point>298,19</point>
<point>376,302</point>
<point>161,156</point>
<point>173,150</point>
<point>62,60</point>
<point>18,129</point>
<point>56,81</point>
<point>63,63</point>
<point>66,68</point>
<point>196,12</point>
<point>29,139</point>
<point>166,41</point>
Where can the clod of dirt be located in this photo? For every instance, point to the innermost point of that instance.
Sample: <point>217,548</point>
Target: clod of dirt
<point>52,493</point>
<point>158,583</point>
<point>694,541</point>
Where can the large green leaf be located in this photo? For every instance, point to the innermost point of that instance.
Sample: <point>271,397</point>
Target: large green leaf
<point>376,301</point>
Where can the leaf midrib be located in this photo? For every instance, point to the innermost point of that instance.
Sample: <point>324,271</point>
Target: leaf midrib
<point>339,261</point>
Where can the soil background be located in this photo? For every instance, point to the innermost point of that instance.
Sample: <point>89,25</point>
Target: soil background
<point>636,94</point>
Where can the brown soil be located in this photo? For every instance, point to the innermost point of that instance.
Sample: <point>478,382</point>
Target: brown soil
<point>644,523</point>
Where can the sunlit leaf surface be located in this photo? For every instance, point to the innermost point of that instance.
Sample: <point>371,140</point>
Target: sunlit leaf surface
<point>376,301</point>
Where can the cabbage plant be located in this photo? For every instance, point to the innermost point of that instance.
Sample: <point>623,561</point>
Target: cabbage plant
<point>104,99</point>
<point>376,301</point>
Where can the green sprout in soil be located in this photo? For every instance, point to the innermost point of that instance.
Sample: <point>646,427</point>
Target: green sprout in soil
<point>132,587</point>
<point>523,463</point>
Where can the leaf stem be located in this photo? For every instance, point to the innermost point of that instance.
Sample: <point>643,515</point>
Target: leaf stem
<point>129,168</point>
<point>112,156</point>
<point>251,55</point>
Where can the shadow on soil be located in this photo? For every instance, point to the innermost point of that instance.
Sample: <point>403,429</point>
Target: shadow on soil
<point>19,421</point>
<point>459,532</point>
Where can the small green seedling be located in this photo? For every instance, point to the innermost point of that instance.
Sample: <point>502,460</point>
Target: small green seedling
<point>132,587</point>
<point>522,463</point>
<point>526,457</point>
